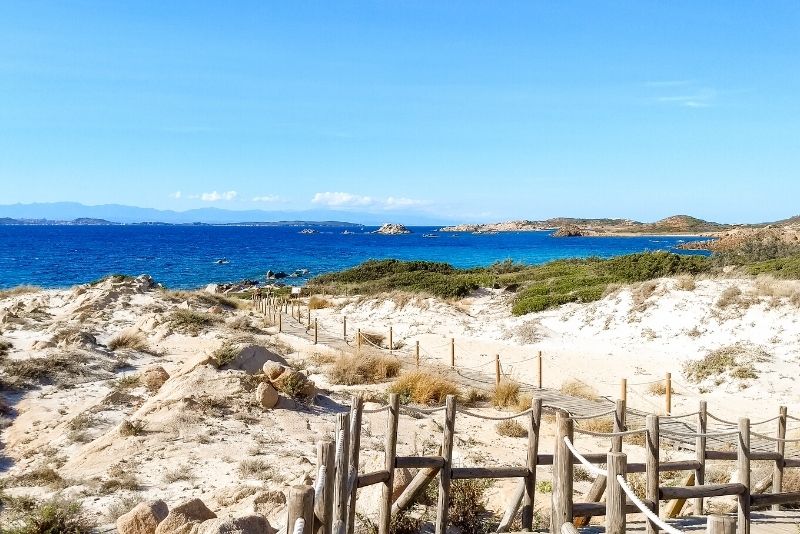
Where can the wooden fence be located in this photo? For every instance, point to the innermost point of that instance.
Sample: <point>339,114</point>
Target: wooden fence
<point>338,481</point>
<point>329,507</point>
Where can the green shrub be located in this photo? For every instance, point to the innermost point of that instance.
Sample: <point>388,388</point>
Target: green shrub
<point>26,515</point>
<point>192,322</point>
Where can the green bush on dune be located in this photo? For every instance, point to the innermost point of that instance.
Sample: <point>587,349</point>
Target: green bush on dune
<point>542,286</point>
<point>788,268</point>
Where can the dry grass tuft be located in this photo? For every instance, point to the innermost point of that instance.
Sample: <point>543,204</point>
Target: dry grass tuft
<point>183,472</point>
<point>372,338</point>
<point>729,297</point>
<point>54,516</point>
<point>225,354</point>
<point>524,401</point>
<point>129,340</point>
<point>657,388</point>
<point>131,428</point>
<point>732,361</point>
<point>192,322</point>
<point>506,393</point>
<point>256,468</point>
<point>41,476</point>
<point>424,387</point>
<point>576,388</point>
<point>685,283</point>
<point>317,303</point>
<point>351,370</point>
<point>511,428</point>
<point>598,424</point>
<point>642,292</point>
<point>19,290</point>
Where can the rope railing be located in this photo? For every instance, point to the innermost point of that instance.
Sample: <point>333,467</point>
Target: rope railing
<point>321,475</point>
<point>680,416</point>
<point>299,526</point>
<point>644,509</point>
<point>591,416</point>
<point>376,410</point>
<point>752,423</point>
<point>422,411</point>
<point>596,471</point>
<point>494,417</point>
<point>673,433</point>
<point>774,438</point>
<point>610,434</point>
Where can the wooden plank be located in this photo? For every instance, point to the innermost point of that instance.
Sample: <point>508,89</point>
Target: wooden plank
<point>356,409</point>
<point>370,479</point>
<point>615,496</point>
<point>458,473</point>
<point>708,490</point>
<point>418,484</point>
<point>385,518</point>
<point>534,426</point>
<point>594,494</point>
<point>444,476</point>
<point>767,499</point>
<point>675,506</point>
<point>652,451</point>
<point>561,496</point>
<point>418,462</point>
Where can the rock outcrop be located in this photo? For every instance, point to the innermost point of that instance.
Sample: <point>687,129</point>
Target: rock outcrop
<point>266,395</point>
<point>154,377</point>
<point>392,229</point>
<point>569,231</point>
<point>185,518</point>
<point>143,518</point>
<point>248,524</point>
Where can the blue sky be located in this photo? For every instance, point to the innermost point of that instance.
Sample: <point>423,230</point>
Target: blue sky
<point>466,110</point>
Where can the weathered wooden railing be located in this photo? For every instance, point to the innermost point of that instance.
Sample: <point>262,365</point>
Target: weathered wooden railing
<point>334,496</point>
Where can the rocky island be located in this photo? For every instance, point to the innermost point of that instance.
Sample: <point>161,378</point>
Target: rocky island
<point>392,229</point>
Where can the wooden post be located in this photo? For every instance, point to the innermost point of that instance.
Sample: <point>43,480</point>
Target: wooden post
<point>280,322</point>
<point>653,439</point>
<point>344,328</point>
<point>391,341</point>
<point>445,473</point>
<point>619,425</point>
<point>316,330</point>
<point>356,407</point>
<point>417,354</point>
<point>700,455</point>
<point>323,502</point>
<point>623,389</point>
<point>389,460</point>
<point>308,323</point>
<point>780,448</point>
<point>452,352</point>
<point>534,424</point>
<point>358,337</point>
<point>539,372</point>
<point>720,524</point>
<point>342,451</point>
<point>300,505</point>
<point>668,394</point>
<point>418,484</point>
<point>496,369</point>
<point>615,496</point>
<point>561,507</point>
<point>743,470</point>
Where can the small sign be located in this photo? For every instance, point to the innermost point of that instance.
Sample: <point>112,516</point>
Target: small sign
<point>296,290</point>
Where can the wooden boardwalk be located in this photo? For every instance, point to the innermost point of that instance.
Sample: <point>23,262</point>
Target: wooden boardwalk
<point>484,381</point>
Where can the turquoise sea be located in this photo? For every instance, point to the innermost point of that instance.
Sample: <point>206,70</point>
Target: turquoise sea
<point>188,256</point>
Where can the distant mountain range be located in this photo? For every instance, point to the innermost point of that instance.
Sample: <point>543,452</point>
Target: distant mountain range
<point>75,213</point>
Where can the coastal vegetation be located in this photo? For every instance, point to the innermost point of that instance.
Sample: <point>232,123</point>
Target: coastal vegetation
<point>537,287</point>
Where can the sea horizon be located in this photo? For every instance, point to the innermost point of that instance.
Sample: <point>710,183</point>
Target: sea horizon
<point>189,257</point>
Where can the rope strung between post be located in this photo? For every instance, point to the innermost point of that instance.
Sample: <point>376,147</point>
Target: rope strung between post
<point>773,438</point>
<point>596,471</point>
<point>299,526</point>
<point>494,417</point>
<point>592,416</point>
<point>672,433</point>
<point>320,481</point>
<point>656,381</point>
<point>422,411</point>
<point>771,419</point>
<point>610,434</point>
<point>376,410</point>
<point>644,509</point>
<point>672,417</point>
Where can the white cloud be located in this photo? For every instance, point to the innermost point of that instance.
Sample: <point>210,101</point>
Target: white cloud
<point>351,200</point>
<point>214,196</point>
<point>341,200</point>
<point>268,198</point>
<point>176,194</point>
